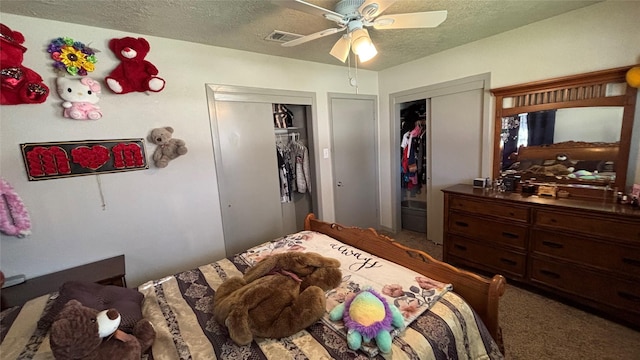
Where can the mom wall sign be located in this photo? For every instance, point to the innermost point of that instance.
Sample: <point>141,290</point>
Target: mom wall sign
<point>53,160</point>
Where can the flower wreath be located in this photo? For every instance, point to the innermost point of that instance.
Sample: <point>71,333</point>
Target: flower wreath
<point>72,56</point>
<point>14,218</point>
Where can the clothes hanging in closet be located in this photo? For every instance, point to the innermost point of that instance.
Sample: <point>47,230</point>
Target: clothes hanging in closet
<point>293,165</point>
<point>413,146</point>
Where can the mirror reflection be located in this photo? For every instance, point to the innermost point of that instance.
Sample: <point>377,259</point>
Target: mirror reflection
<point>562,144</point>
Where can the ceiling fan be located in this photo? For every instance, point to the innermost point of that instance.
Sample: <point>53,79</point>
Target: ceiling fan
<point>355,16</point>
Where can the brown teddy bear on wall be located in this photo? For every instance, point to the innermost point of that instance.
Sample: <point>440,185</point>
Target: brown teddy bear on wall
<point>168,147</point>
<point>80,332</point>
<point>278,297</point>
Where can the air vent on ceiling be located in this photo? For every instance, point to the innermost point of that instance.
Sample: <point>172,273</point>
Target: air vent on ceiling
<point>282,36</point>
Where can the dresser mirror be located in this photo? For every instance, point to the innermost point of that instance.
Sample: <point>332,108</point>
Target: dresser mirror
<point>573,131</point>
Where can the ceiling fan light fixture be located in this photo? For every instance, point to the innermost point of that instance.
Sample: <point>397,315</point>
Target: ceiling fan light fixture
<point>367,53</point>
<point>362,46</point>
<point>340,49</point>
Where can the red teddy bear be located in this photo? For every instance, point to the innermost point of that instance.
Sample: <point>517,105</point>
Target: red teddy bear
<point>20,85</point>
<point>134,73</point>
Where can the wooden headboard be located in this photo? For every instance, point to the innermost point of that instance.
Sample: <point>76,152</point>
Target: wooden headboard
<point>574,150</point>
<point>483,294</point>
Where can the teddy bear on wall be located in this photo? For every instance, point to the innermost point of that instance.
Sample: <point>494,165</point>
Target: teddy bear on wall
<point>168,147</point>
<point>134,72</point>
<point>279,296</point>
<point>80,332</point>
<point>20,85</point>
<point>80,98</point>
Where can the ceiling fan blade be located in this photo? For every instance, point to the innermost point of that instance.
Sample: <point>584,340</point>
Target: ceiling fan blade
<point>313,36</point>
<point>309,8</point>
<point>341,48</point>
<point>428,19</point>
<point>372,8</point>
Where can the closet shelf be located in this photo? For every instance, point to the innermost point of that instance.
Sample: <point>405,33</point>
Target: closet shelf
<point>285,130</point>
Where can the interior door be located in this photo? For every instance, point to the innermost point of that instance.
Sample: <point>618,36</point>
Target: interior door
<point>355,162</point>
<point>455,147</point>
<point>247,168</point>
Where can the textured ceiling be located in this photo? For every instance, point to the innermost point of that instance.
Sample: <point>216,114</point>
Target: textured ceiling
<point>244,24</point>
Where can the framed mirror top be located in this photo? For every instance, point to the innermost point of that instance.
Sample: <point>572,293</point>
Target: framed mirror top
<point>574,130</point>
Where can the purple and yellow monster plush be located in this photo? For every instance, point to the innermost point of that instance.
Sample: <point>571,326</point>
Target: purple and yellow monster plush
<point>367,316</point>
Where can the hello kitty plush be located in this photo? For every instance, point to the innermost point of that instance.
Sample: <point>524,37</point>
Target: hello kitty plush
<point>80,98</point>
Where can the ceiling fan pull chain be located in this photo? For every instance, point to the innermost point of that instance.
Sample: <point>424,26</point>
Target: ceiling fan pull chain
<point>356,85</point>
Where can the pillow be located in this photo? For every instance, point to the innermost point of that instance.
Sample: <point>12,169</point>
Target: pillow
<point>127,301</point>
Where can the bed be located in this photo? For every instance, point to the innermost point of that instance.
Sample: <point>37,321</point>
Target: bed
<point>459,319</point>
<point>588,163</point>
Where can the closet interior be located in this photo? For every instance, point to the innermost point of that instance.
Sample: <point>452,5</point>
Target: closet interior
<point>296,169</point>
<point>413,172</point>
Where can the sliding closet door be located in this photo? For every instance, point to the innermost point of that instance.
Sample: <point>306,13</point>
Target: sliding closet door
<point>247,168</point>
<point>455,148</point>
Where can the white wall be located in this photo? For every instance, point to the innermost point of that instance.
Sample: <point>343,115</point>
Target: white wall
<point>601,36</point>
<point>589,124</point>
<point>163,220</point>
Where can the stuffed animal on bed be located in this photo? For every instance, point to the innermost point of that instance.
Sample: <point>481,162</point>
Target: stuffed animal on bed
<point>279,296</point>
<point>127,301</point>
<point>80,332</point>
<point>134,72</point>
<point>368,316</point>
<point>168,147</point>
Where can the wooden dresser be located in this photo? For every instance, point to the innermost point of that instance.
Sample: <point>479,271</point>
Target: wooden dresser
<point>583,250</point>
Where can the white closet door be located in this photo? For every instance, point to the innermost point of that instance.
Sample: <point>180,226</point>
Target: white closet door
<point>248,174</point>
<point>355,161</point>
<point>455,148</point>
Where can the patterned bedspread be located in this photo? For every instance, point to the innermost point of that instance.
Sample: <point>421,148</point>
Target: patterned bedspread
<point>440,324</point>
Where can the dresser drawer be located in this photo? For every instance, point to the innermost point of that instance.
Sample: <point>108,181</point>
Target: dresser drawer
<point>589,225</point>
<point>623,259</point>
<point>595,286</point>
<point>489,231</point>
<point>493,209</point>
<point>502,261</point>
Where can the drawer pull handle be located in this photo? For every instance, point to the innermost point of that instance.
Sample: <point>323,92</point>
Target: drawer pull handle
<point>462,224</point>
<point>550,274</point>
<point>631,261</point>
<point>510,235</point>
<point>552,220</point>
<point>552,244</point>
<point>461,247</point>
<point>627,296</point>
<point>508,261</point>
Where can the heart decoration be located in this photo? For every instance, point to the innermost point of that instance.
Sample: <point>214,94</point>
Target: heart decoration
<point>90,157</point>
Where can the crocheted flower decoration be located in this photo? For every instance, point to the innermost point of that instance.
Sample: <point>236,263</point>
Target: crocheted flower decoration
<point>72,56</point>
<point>14,218</point>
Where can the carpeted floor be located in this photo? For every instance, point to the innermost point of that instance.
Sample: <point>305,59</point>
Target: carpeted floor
<point>538,328</point>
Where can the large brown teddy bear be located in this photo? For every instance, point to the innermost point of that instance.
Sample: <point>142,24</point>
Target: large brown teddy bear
<point>20,85</point>
<point>134,72</point>
<point>278,297</point>
<point>80,332</point>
